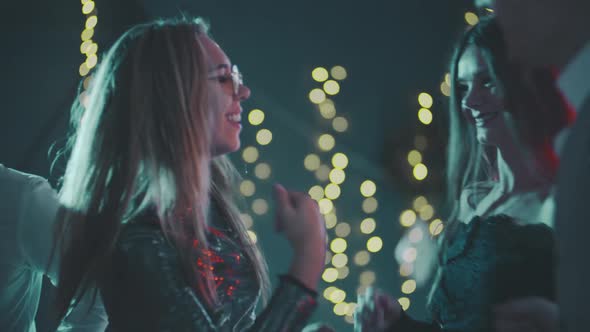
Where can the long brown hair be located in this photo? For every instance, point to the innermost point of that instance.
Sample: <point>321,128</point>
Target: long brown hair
<point>142,141</point>
<point>530,96</point>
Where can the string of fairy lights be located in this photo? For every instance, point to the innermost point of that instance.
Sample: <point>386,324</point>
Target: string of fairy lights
<point>422,213</point>
<point>88,47</point>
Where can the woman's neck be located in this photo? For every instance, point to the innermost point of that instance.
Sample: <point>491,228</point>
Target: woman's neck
<point>521,171</point>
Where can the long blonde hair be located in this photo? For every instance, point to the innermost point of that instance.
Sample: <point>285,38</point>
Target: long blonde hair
<point>143,141</point>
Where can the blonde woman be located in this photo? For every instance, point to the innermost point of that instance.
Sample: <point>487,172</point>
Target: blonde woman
<point>150,219</point>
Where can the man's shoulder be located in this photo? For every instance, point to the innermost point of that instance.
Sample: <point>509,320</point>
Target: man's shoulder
<point>14,180</point>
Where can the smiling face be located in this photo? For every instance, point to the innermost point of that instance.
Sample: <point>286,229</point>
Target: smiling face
<point>481,102</point>
<point>226,94</point>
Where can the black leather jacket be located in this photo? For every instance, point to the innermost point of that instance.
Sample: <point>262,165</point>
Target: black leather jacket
<point>144,290</point>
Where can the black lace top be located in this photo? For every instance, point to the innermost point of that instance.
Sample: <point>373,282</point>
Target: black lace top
<point>490,261</point>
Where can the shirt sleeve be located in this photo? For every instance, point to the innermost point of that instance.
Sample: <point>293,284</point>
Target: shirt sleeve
<point>38,209</point>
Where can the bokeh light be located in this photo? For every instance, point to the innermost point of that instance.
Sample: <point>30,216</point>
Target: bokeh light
<point>337,176</point>
<point>340,124</point>
<point>374,244</point>
<point>342,229</point>
<point>338,245</point>
<point>370,205</point>
<point>322,173</point>
<point>435,227</point>
<point>326,142</point>
<point>247,220</point>
<point>256,117</point>
<point>312,162</point>
<point>425,116</point>
<point>326,206</point>
<point>425,100</point>
<point>426,212</point>
<point>332,191</point>
<point>368,188</point>
<point>327,109</point>
<point>420,172</point>
<point>317,96</point>
<point>407,218</point>
<point>320,74</point>
<point>330,274</point>
<point>260,206</point>
<point>331,87</point>
<point>250,154</point>
<point>252,236</point>
<point>262,171</point>
<point>362,258</point>
<point>404,302</point>
<point>414,157</point>
<point>338,73</point>
<point>409,286</point>
<point>367,278</point>
<point>339,160</point>
<point>339,260</point>
<point>316,192</point>
<point>471,18</point>
<point>247,188</point>
<point>368,226</point>
<point>264,137</point>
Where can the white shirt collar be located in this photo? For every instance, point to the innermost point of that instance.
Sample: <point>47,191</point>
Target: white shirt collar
<point>574,80</point>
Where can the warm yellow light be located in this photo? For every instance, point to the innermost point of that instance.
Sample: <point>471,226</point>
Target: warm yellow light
<point>370,205</point>
<point>374,244</point>
<point>407,218</point>
<point>328,291</point>
<point>91,60</point>
<point>337,176</point>
<point>419,202</point>
<point>331,220</point>
<point>445,89</point>
<point>330,275</point>
<point>368,188</point>
<point>247,220</point>
<point>328,259</point>
<point>435,227</point>
<point>84,70</point>
<point>420,172</point>
<point>404,302</point>
<point>337,296</point>
<point>87,34</point>
<point>322,173</point>
<point>367,278</point>
<point>256,117</point>
<point>85,46</point>
<point>416,235</point>
<point>471,18</point>
<point>409,255</point>
<point>332,191</point>
<point>326,142</point>
<point>250,154</point>
<point>338,73</point>
<point>264,137</point>
<point>91,22</point>
<point>342,229</point>
<point>362,258</point>
<point>340,124</point>
<point>327,109</point>
<point>88,7</point>
<point>326,206</point>
<point>316,192</point>
<point>414,157</point>
<point>409,286</point>
<point>425,116</point>
<point>312,162</point>
<point>339,160</point>
<point>339,260</point>
<point>252,236</point>
<point>340,309</point>
<point>338,245</point>
<point>247,188</point>
<point>319,74</point>
<point>260,206</point>
<point>262,171</point>
<point>350,309</point>
<point>331,87</point>
<point>448,79</point>
<point>425,100</point>
<point>426,212</point>
<point>406,269</point>
<point>343,272</point>
<point>317,96</point>
<point>368,226</point>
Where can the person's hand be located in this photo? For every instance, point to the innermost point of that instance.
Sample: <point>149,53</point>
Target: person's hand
<point>533,314</point>
<point>298,218</point>
<point>318,327</point>
<point>375,311</point>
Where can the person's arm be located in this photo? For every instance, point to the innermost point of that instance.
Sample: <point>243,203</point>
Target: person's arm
<point>37,219</point>
<point>164,298</point>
